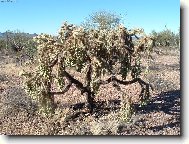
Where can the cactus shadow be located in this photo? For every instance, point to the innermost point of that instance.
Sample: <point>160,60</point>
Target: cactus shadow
<point>168,102</point>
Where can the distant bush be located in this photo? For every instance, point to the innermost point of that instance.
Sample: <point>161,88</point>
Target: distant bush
<point>166,38</point>
<point>31,49</point>
<point>21,44</point>
<point>102,20</point>
<point>2,44</point>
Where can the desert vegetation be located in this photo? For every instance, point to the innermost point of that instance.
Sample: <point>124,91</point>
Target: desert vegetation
<point>99,78</point>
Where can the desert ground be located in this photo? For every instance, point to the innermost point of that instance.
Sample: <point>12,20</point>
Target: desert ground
<point>18,113</point>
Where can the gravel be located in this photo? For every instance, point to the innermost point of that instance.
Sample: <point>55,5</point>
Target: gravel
<point>160,117</point>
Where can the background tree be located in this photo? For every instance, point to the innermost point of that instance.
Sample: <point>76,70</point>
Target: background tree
<point>177,39</point>
<point>166,38</point>
<point>22,44</point>
<point>2,44</point>
<point>102,20</point>
<point>155,35</point>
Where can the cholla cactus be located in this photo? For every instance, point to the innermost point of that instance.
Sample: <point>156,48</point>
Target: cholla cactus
<point>126,111</point>
<point>92,52</point>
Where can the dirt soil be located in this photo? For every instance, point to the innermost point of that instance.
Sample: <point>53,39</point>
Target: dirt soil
<point>18,115</point>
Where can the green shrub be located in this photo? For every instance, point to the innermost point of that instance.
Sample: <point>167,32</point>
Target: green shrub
<point>166,38</point>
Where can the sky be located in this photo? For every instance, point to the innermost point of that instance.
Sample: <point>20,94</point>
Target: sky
<point>46,16</point>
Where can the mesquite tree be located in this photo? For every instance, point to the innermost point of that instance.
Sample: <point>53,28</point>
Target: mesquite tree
<point>102,20</point>
<point>22,44</point>
<point>166,38</point>
<point>94,53</point>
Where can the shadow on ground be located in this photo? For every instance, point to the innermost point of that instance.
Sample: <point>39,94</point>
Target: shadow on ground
<point>168,102</point>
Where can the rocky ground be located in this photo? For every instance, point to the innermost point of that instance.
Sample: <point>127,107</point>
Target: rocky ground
<point>18,115</point>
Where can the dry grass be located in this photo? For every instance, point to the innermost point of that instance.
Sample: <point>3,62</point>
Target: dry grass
<point>18,115</point>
